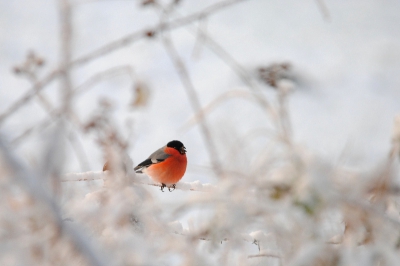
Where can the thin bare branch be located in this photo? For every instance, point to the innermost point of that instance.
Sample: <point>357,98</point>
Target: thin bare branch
<point>53,158</point>
<point>200,37</point>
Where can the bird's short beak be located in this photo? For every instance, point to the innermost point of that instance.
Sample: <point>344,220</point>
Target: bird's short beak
<point>183,150</point>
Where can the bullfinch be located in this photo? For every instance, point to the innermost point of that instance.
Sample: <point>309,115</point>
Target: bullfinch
<point>166,165</point>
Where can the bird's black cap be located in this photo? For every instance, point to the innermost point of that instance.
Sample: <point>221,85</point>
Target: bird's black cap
<point>177,145</point>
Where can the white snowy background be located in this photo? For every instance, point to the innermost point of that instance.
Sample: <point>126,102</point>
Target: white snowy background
<point>345,56</point>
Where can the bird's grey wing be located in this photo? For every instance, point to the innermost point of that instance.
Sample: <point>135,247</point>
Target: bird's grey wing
<point>156,157</point>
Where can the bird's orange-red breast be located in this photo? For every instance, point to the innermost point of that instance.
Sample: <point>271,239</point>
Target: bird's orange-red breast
<point>166,165</point>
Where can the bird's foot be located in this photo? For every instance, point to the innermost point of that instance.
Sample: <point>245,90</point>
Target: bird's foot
<point>173,186</point>
<point>163,186</point>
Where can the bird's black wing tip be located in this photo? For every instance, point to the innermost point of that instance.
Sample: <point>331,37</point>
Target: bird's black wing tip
<point>139,167</point>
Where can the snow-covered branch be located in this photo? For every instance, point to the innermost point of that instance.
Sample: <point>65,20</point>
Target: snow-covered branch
<point>136,179</point>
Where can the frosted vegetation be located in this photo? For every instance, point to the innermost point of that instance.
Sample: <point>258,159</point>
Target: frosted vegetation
<point>254,193</point>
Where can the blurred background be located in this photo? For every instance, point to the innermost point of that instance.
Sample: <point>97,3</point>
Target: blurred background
<point>333,65</point>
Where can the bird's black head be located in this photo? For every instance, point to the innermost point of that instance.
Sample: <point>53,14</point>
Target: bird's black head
<point>177,145</point>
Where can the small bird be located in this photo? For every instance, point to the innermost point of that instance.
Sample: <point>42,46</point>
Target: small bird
<point>166,165</point>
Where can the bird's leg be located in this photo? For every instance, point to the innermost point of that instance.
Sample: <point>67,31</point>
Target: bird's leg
<point>169,188</point>
<point>163,186</point>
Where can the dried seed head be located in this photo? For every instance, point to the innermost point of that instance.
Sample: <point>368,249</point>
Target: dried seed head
<point>275,72</point>
<point>150,33</point>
